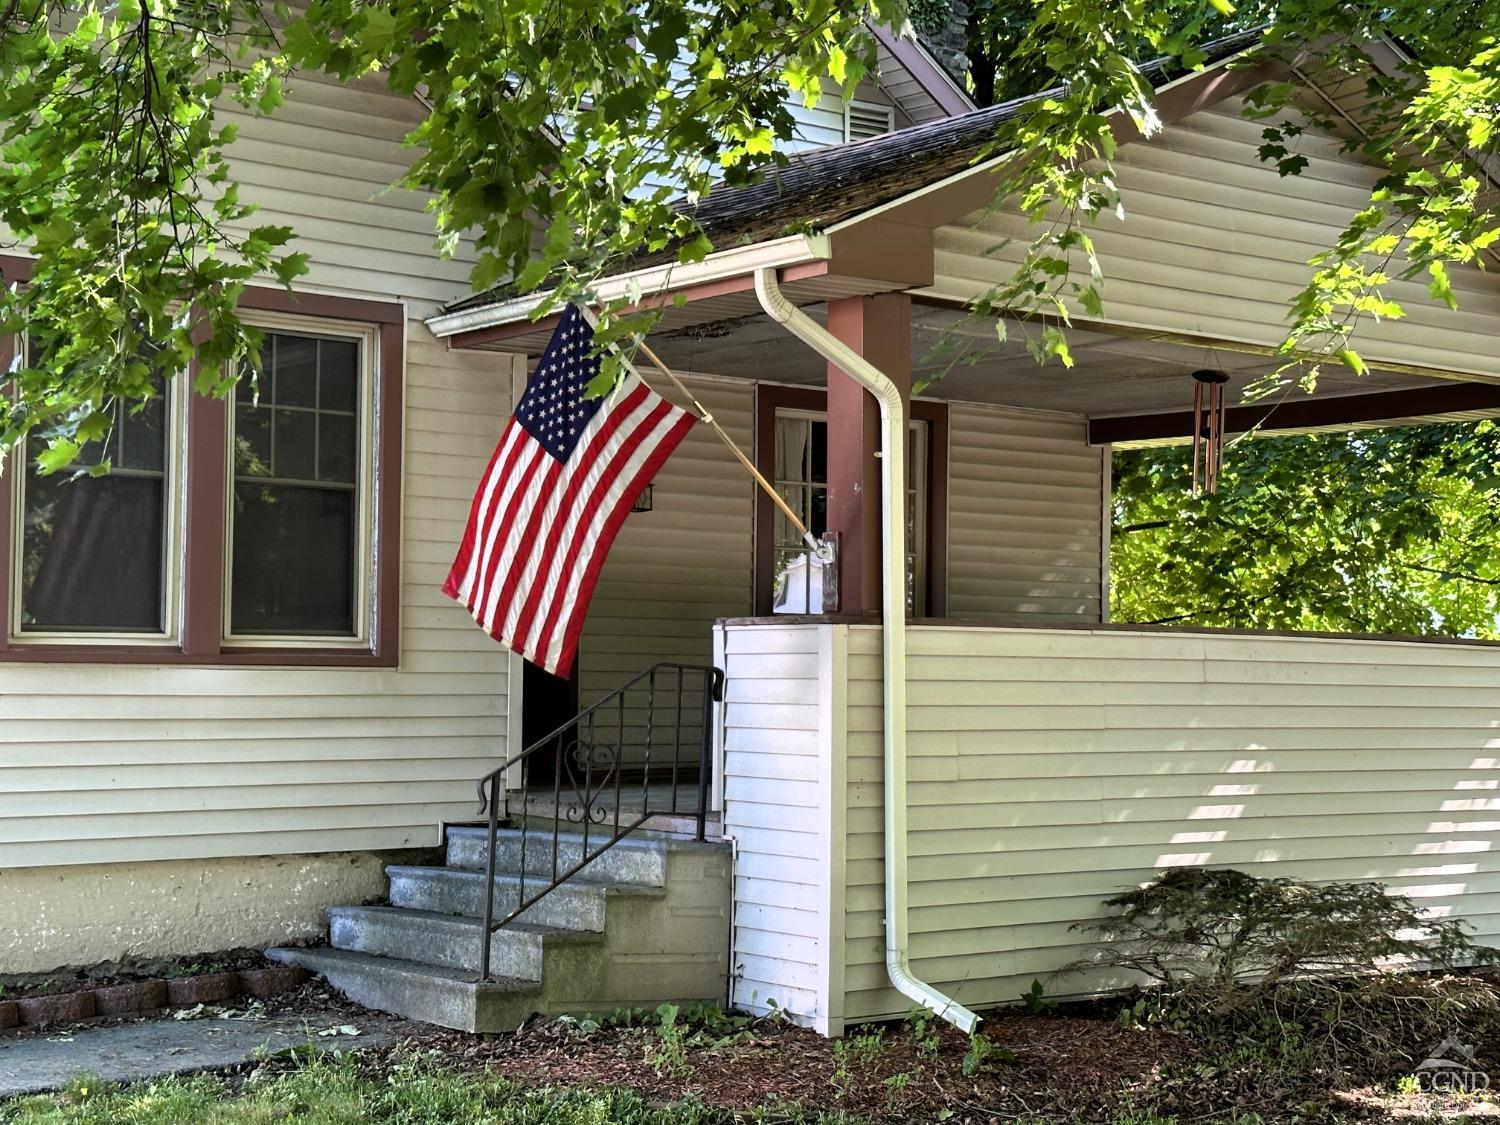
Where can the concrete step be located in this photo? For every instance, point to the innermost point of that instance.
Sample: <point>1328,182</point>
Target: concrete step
<point>576,905</point>
<point>450,940</point>
<point>635,859</point>
<point>433,994</point>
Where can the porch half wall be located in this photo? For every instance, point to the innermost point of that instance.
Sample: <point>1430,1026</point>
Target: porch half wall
<point>1049,768</point>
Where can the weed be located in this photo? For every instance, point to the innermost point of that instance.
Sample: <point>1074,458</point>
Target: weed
<point>862,1049</point>
<point>924,1030</point>
<point>981,1051</point>
<point>668,1055</point>
<point>895,1087</point>
<point>1035,1001</point>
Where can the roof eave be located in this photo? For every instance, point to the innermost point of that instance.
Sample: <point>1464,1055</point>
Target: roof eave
<point>927,72</point>
<point>653,283</point>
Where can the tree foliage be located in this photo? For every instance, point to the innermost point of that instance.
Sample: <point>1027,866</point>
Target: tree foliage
<point>580,122</point>
<point>1373,531</point>
<point>1429,123</point>
<point>113,174</point>
<point>557,135</point>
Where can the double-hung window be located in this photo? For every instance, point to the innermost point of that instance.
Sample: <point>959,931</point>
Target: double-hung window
<point>95,554</point>
<point>299,491</point>
<point>256,529</point>
<point>801,477</point>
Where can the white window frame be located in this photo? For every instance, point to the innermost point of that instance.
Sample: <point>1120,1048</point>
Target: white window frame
<point>174,501</point>
<point>368,336</point>
<point>917,494</point>
<point>920,430</point>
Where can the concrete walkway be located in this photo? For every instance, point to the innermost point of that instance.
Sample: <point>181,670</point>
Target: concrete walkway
<point>153,1048</point>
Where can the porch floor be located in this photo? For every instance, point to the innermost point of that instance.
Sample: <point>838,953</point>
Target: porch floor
<point>683,821</point>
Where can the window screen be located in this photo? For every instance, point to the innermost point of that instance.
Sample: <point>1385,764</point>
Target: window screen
<point>93,549</point>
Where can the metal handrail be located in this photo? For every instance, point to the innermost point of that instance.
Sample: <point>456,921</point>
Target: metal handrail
<point>586,755</point>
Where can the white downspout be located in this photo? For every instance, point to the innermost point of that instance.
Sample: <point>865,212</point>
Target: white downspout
<point>893,633</point>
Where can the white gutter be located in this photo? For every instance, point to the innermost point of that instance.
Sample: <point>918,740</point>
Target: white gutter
<point>893,634</point>
<point>639,285</point>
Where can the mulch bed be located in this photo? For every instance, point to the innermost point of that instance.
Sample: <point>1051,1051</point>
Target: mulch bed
<point>1064,1067</point>
<point>1072,1069</point>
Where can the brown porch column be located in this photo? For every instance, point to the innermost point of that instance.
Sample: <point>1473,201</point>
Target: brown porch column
<point>878,328</point>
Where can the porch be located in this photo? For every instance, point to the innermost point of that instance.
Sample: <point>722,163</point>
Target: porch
<point>1051,757</point>
<point>1050,767</point>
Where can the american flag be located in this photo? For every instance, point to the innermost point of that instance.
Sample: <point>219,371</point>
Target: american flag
<point>559,485</point>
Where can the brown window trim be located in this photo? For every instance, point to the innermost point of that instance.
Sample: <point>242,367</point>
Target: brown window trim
<point>770,397</point>
<point>202,570</point>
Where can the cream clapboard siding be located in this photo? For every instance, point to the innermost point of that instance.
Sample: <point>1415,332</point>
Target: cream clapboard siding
<point>916,103</point>
<point>1025,510</point>
<point>123,763</point>
<point>678,568</point>
<point>823,124</point>
<point>1214,243</point>
<point>323,164</point>
<point>1049,768</point>
<point>780,788</point>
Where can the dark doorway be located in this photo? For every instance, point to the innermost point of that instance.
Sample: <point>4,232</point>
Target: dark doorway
<point>547,702</point>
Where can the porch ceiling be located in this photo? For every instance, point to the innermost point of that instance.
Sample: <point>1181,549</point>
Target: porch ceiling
<point>1113,375</point>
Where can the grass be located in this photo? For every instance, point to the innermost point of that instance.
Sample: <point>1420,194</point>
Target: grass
<point>336,1090</point>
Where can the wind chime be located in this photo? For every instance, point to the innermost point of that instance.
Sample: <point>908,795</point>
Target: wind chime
<point>1208,429</point>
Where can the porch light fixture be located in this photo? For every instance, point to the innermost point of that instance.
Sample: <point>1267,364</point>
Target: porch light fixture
<point>643,501</point>
<point>1208,429</point>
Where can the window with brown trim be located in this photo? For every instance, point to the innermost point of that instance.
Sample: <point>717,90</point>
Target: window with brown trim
<point>260,530</point>
<point>792,450</point>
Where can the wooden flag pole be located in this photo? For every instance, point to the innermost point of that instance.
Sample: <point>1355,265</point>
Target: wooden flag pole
<point>708,419</point>
<point>750,468</point>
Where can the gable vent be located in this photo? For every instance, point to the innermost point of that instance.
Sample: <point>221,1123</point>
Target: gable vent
<point>867,119</point>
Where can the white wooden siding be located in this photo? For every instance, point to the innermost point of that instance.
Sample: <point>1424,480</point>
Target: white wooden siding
<point>781,807</point>
<point>1025,497</point>
<point>1050,768</point>
<point>1213,244</point>
<point>823,124</point>
<point>103,763</point>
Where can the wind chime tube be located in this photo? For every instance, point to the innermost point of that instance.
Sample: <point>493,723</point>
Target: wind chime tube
<point>1219,420</point>
<point>1209,421</point>
<point>1197,433</point>
<point>1211,444</point>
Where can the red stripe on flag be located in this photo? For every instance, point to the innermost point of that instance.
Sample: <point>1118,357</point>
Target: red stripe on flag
<point>491,561</point>
<point>466,548</point>
<point>590,579</point>
<point>576,481</point>
<point>585,525</point>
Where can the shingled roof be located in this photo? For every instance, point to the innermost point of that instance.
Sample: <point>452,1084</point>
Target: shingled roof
<point>819,188</point>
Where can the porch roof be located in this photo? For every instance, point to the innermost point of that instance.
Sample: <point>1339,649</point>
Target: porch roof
<point>1199,274</point>
<point>819,189</point>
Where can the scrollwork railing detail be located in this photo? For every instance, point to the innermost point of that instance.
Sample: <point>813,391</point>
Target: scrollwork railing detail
<point>640,753</point>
